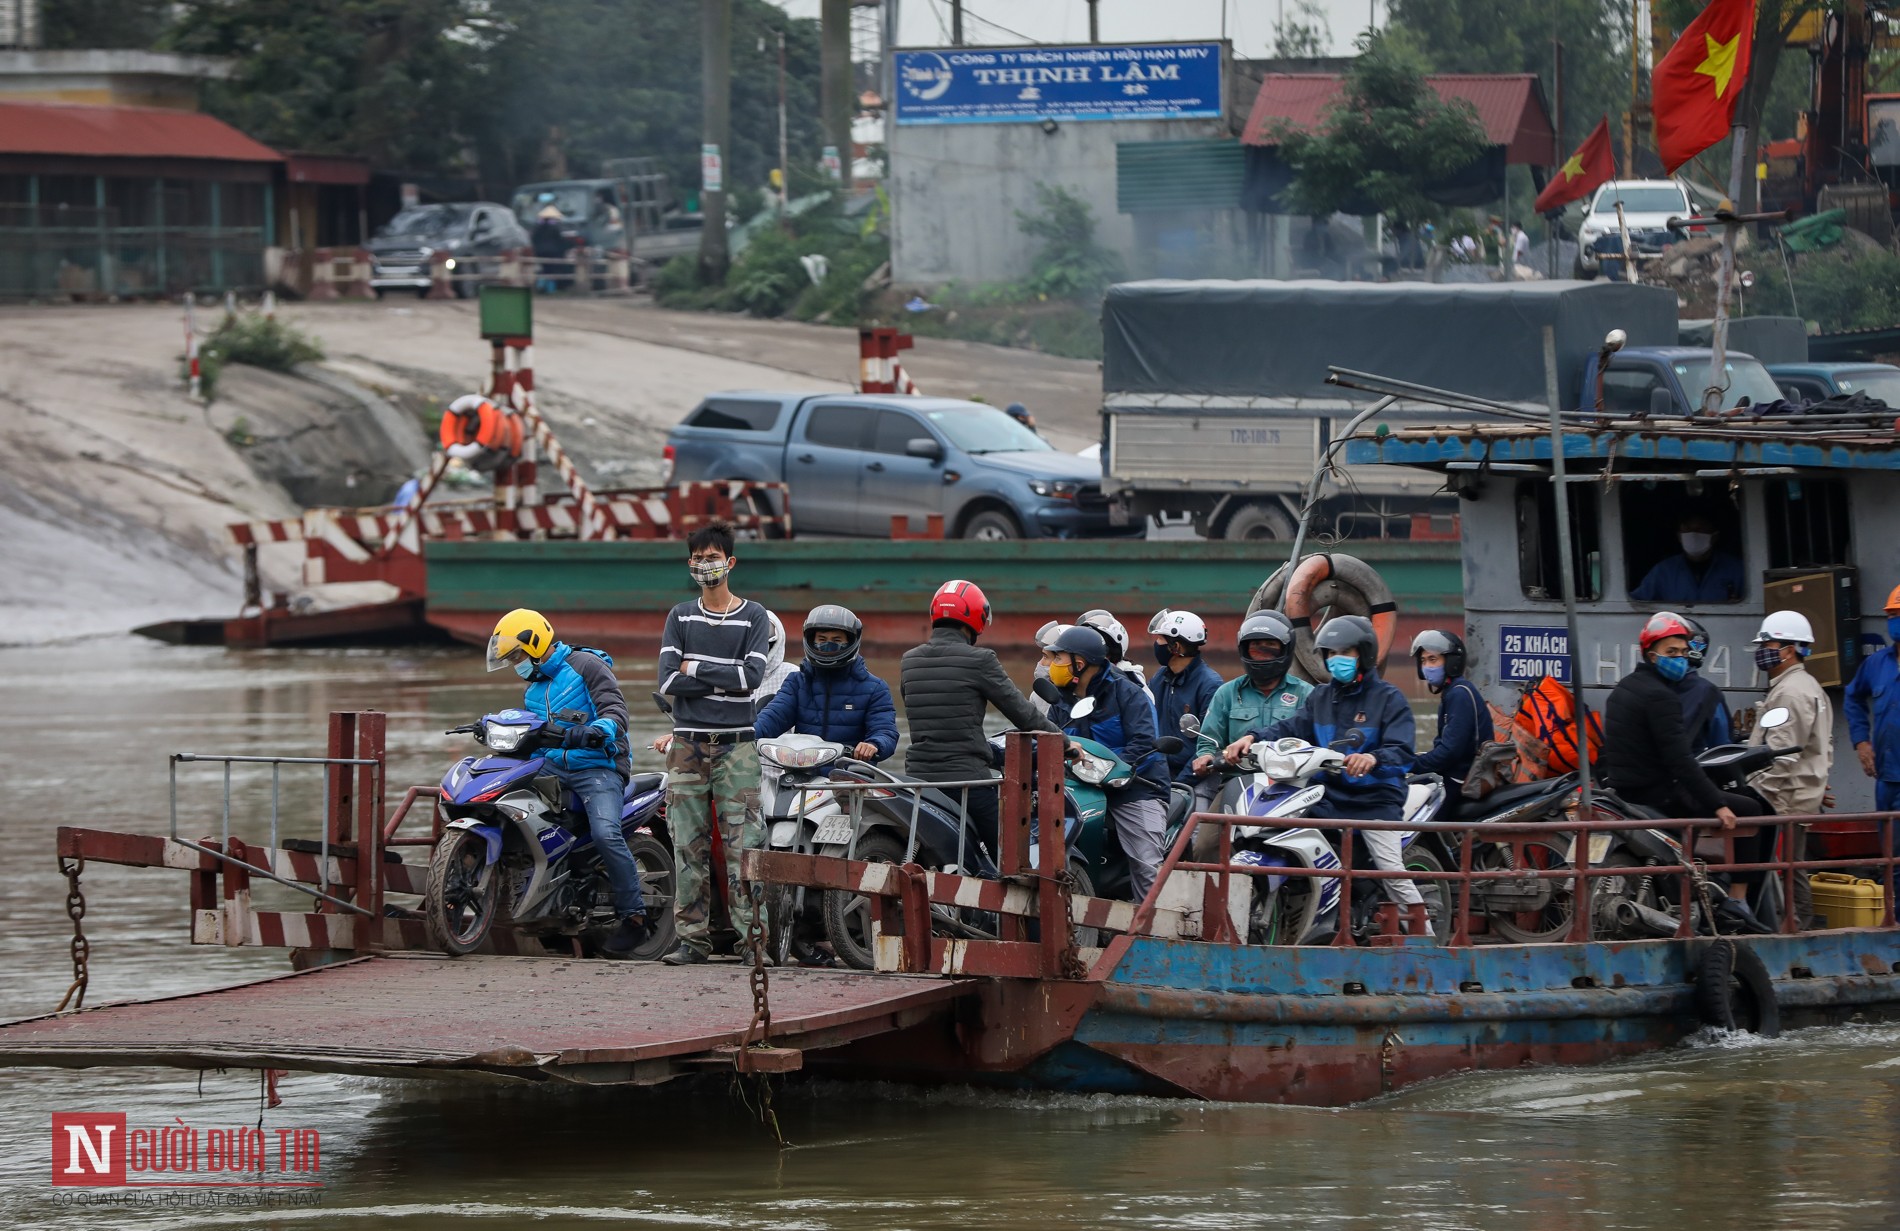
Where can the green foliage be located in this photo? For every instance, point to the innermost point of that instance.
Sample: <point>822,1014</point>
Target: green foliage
<point>1302,34</point>
<point>254,339</point>
<point>768,276</point>
<point>89,24</point>
<point>1070,264</point>
<point>1383,142</point>
<point>1847,287</point>
<point>678,276</point>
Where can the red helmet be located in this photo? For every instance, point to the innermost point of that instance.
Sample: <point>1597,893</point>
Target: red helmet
<point>1664,624</point>
<point>963,602</point>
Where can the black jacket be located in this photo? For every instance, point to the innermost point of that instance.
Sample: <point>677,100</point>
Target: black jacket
<point>1646,757</point>
<point>948,683</point>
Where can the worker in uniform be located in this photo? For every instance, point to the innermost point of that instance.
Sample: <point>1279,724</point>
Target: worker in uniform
<point>1793,785</point>
<point>592,760</point>
<point>1873,714</point>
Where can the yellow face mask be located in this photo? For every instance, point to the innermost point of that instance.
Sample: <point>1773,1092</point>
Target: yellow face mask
<point>1061,674</point>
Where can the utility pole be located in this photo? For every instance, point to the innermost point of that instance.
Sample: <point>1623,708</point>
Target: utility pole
<point>715,36</point>
<point>1557,122</point>
<point>784,166</point>
<point>956,23</point>
<point>837,93</point>
<point>1095,21</point>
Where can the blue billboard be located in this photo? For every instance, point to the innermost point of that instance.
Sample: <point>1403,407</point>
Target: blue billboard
<point>995,85</point>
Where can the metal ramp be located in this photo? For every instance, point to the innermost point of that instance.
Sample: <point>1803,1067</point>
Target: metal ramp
<point>494,1018</point>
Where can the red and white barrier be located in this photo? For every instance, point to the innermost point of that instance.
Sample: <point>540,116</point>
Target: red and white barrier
<point>193,374</point>
<point>878,368</point>
<point>619,270</point>
<point>441,278</point>
<point>323,274</point>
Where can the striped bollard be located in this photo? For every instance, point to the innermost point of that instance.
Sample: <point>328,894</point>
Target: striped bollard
<point>323,274</point>
<point>357,286</point>
<point>619,270</point>
<point>194,375</point>
<point>440,285</point>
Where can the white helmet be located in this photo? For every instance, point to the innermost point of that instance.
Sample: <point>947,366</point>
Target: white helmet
<point>1182,625</point>
<point>1107,625</point>
<point>1047,634</point>
<point>775,644</point>
<point>1785,626</point>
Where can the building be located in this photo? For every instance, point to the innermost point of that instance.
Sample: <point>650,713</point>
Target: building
<point>107,78</point>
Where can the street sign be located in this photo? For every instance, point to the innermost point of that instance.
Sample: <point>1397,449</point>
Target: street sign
<point>1528,653</point>
<point>712,169</point>
<point>990,85</point>
<point>507,312</point>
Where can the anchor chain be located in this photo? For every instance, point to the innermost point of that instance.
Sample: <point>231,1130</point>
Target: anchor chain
<point>1072,966</point>
<point>71,866</point>
<point>760,1028</point>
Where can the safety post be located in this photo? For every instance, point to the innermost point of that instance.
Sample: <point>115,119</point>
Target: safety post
<point>1052,858</point>
<point>878,368</point>
<point>441,285</point>
<point>323,274</point>
<point>1012,836</point>
<point>193,375</point>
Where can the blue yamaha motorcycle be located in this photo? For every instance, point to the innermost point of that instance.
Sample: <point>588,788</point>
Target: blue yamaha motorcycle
<point>518,849</point>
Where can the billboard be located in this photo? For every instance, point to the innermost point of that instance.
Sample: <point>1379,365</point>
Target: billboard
<point>999,85</point>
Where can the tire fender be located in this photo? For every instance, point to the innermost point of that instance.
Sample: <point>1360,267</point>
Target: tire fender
<point>1733,990</point>
<point>490,835</point>
<point>1345,583</point>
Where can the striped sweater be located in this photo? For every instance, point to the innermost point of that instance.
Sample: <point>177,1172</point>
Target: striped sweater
<point>711,663</point>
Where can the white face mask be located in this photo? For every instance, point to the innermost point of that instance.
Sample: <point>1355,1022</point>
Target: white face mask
<point>1694,544</point>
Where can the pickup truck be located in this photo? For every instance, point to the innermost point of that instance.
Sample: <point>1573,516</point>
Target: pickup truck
<point>1816,382</point>
<point>1661,381</point>
<point>851,462</point>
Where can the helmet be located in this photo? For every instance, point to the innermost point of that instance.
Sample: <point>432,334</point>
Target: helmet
<point>520,633</point>
<point>1664,624</point>
<point>775,643</point>
<point>1110,628</point>
<point>1350,632</point>
<point>1441,641</point>
<point>1785,626</point>
<point>1698,643</point>
<point>963,602</point>
<point>1265,626</point>
<point>1179,625</point>
<point>830,617</point>
<point>1083,642</point>
<point>1893,602</point>
<point>1047,634</point>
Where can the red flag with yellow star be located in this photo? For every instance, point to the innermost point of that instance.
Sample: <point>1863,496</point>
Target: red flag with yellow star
<point>1693,90</point>
<point>1591,165</point>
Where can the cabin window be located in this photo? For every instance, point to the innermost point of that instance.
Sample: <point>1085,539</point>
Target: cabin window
<point>1626,391</point>
<point>1538,567</point>
<point>1681,547</point>
<point>1807,522</point>
<point>733,415</point>
<point>838,427</point>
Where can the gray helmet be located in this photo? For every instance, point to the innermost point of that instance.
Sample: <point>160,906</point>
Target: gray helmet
<point>1266,626</point>
<point>1441,641</point>
<point>1111,629</point>
<point>1350,632</point>
<point>1083,642</point>
<point>832,617</point>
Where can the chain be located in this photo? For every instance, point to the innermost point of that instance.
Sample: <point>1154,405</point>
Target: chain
<point>760,1028</point>
<point>1072,967</point>
<point>71,866</point>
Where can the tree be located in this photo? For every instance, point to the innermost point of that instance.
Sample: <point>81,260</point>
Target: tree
<point>1305,34</point>
<point>1384,142</point>
<point>103,23</point>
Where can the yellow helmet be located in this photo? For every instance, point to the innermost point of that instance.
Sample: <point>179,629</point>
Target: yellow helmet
<point>521,633</point>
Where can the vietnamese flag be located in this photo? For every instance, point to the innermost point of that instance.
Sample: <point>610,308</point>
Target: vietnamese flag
<point>1694,89</point>
<point>1591,165</point>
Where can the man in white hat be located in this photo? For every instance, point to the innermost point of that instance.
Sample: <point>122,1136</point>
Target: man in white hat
<point>1795,715</point>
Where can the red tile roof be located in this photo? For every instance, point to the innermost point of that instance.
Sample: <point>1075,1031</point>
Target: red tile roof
<point>123,132</point>
<point>1510,106</point>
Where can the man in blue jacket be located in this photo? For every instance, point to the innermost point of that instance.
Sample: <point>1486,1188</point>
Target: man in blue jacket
<point>1122,719</point>
<point>1464,720</point>
<point>1184,685</point>
<point>1356,708</point>
<point>1873,714</point>
<point>566,680</point>
<point>833,695</point>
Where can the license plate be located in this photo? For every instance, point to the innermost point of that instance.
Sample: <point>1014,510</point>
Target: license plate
<point>833,831</point>
<point>1599,848</point>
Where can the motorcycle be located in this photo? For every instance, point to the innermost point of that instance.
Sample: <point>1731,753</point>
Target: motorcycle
<point>518,847</point>
<point>804,816</point>
<point>1276,782</point>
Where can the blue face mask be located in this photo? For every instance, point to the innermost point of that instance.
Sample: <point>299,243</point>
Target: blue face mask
<point>1343,668</point>
<point>1893,628</point>
<point>1433,675</point>
<point>524,669</point>
<point>1673,669</point>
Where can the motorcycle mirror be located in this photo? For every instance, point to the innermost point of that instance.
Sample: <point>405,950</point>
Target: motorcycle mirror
<point>1046,690</point>
<point>1190,724</point>
<point>1777,717</point>
<point>1347,742</point>
<point>1168,745</point>
<point>1082,708</point>
<point>659,699</point>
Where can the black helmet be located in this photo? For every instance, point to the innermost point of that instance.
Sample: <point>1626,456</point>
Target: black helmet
<point>1083,642</point>
<point>1440,641</point>
<point>1266,626</point>
<point>830,617</point>
<point>1698,643</point>
<point>1350,632</point>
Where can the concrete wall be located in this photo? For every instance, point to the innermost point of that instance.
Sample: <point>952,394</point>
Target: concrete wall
<point>955,190</point>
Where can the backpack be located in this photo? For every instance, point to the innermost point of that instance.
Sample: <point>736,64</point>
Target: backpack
<point>1545,732</point>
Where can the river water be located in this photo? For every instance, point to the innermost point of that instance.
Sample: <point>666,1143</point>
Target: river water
<point>1800,1132</point>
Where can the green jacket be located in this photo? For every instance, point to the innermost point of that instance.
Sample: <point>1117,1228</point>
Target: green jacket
<point>1238,707</point>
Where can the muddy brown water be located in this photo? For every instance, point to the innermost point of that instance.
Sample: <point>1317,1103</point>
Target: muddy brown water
<point>1801,1132</point>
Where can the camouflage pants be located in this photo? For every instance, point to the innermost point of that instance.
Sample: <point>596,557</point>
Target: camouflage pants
<point>702,779</point>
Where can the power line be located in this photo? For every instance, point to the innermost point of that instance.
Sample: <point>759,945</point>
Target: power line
<point>970,12</point>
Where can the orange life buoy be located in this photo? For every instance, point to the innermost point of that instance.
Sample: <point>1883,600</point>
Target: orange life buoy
<point>477,421</point>
<point>1357,589</point>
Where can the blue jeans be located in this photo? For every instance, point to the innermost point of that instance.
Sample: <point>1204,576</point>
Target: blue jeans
<point>603,792</point>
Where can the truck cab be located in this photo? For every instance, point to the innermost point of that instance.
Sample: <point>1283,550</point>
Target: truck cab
<point>1668,381</point>
<point>1816,382</point>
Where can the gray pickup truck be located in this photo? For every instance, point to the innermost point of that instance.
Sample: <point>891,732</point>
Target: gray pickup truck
<point>851,462</point>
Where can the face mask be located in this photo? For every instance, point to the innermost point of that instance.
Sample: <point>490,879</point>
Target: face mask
<point>1061,674</point>
<point>1695,545</point>
<point>1767,657</point>
<point>1163,654</point>
<point>1673,669</point>
<point>1433,675</point>
<point>1893,628</point>
<point>1342,668</point>
<point>708,573</point>
<point>1042,671</point>
<point>524,669</point>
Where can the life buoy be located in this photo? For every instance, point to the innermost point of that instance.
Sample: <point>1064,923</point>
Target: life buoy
<point>1733,990</point>
<point>1346,584</point>
<point>480,433</point>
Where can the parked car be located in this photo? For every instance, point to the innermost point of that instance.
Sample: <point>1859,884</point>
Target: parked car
<point>851,462</point>
<point>474,234</point>
<point>1648,205</point>
<point>1815,382</point>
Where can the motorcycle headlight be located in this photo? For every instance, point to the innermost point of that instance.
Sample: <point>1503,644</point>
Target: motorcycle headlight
<point>501,738</point>
<point>798,758</point>
<point>1091,769</point>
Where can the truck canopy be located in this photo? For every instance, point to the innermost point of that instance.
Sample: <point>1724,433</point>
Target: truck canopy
<point>1265,339</point>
